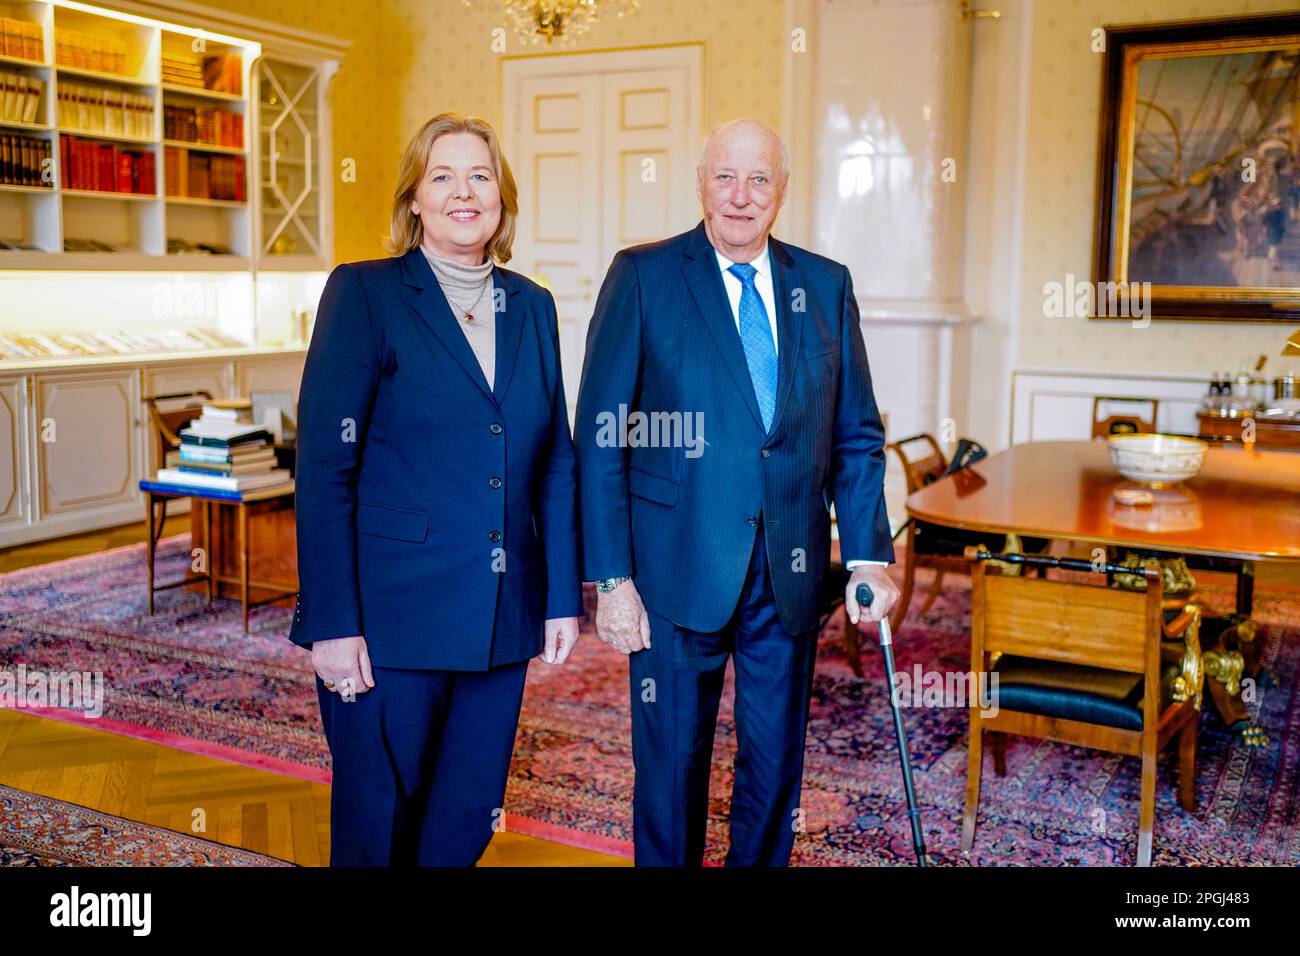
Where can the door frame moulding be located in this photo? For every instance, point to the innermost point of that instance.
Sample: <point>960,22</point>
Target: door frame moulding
<point>692,56</point>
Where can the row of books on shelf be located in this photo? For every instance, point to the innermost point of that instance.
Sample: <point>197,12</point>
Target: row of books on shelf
<point>210,126</point>
<point>218,454</point>
<point>220,73</point>
<point>106,167</point>
<point>201,176</point>
<point>88,51</point>
<point>22,39</point>
<point>16,346</point>
<point>103,109</point>
<point>20,95</point>
<point>25,161</point>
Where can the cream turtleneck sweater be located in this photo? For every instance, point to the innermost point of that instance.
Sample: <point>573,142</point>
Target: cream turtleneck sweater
<point>470,288</point>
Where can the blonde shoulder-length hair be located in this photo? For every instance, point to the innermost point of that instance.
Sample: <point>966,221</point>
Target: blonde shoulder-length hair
<point>405,231</point>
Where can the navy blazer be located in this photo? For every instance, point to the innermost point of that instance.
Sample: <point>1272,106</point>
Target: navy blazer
<point>435,516</point>
<point>663,339</point>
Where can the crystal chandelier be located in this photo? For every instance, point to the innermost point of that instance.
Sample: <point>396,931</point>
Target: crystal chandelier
<point>551,20</point>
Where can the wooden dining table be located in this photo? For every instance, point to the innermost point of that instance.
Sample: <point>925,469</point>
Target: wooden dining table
<point>1242,507</point>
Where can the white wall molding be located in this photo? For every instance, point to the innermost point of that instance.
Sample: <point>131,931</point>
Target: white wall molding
<point>1054,404</point>
<point>922,312</point>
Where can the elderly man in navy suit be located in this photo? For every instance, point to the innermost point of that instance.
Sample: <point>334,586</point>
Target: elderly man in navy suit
<point>711,541</point>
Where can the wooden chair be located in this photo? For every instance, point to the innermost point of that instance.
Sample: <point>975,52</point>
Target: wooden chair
<point>943,549</point>
<point>1084,665</point>
<point>166,425</point>
<point>920,472</point>
<point>939,549</point>
<point>1129,424</point>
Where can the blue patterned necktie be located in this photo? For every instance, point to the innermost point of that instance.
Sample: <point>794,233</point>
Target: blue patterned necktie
<point>756,337</point>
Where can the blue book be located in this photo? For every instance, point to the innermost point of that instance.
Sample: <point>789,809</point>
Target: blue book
<point>167,488</point>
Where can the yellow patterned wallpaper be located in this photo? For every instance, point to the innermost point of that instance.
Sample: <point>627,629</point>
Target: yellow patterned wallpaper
<point>1059,203</point>
<point>411,59</point>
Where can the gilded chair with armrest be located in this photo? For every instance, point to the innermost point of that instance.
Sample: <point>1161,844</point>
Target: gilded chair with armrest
<point>1232,651</point>
<point>1089,665</point>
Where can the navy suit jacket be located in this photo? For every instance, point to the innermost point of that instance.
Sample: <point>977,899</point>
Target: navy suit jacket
<point>435,516</point>
<point>663,339</point>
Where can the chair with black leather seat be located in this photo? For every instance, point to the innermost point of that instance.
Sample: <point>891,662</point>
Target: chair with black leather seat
<point>1083,664</point>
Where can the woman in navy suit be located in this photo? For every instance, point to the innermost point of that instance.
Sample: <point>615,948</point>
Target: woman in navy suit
<point>437,538</point>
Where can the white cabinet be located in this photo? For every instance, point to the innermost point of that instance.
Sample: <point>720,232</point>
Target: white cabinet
<point>87,453</point>
<point>13,452</point>
<point>269,375</point>
<point>75,440</point>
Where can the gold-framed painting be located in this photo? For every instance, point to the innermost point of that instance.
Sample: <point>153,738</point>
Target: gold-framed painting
<point>1198,170</point>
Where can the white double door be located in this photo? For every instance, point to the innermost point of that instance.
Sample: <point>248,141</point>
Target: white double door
<point>603,147</point>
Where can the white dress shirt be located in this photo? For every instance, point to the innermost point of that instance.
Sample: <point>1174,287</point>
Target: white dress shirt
<point>766,291</point>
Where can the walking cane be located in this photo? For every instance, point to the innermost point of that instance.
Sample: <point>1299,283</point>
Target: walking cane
<point>865,598</point>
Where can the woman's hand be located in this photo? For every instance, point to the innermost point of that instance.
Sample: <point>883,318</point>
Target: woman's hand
<point>344,663</point>
<point>561,635</point>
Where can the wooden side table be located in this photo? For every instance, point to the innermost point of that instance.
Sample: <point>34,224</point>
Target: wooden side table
<point>1275,434</point>
<point>253,502</point>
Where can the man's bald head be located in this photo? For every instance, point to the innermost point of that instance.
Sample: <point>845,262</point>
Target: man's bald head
<point>747,127</point>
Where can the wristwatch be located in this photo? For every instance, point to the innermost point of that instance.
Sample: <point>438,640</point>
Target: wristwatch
<point>608,584</point>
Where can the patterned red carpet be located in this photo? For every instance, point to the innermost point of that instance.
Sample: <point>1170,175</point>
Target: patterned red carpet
<point>188,677</point>
<point>39,831</point>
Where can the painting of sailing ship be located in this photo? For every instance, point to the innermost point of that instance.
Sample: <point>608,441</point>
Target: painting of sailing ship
<point>1202,169</point>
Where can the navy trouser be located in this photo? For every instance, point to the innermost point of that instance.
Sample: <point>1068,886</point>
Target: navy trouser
<point>676,687</point>
<point>420,764</point>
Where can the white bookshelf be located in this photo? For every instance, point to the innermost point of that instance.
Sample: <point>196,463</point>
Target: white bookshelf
<point>260,296</point>
<point>59,222</point>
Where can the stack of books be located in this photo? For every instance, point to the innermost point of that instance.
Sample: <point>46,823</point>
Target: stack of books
<point>87,52</point>
<point>21,96</point>
<point>22,39</point>
<point>101,109</point>
<point>106,167</point>
<point>24,160</point>
<point>201,176</point>
<point>221,456</point>
<point>203,125</point>
<point>223,73</point>
<point>182,69</point>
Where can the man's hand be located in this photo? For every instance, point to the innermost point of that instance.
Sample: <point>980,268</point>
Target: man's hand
<point>884,591</point>
<point>621,620</point>
<point>344,663</point>
<point>561,635</point>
